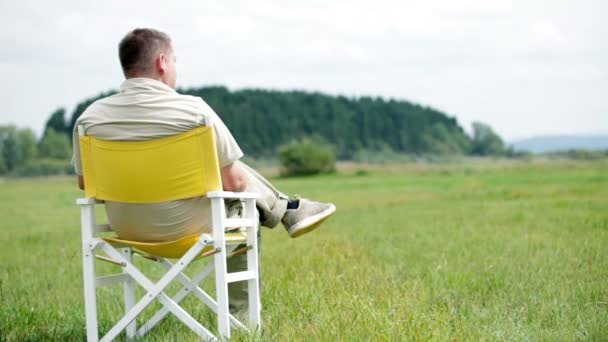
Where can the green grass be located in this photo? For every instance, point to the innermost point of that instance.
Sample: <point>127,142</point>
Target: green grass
<point>449,252</point>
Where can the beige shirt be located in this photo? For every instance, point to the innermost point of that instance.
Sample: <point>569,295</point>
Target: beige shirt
<point>146,109</point>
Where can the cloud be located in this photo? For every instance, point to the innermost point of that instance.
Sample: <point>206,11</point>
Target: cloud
<point>493,61</point>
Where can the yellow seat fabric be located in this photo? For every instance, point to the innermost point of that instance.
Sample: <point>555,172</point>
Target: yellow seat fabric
<point>177,248</point>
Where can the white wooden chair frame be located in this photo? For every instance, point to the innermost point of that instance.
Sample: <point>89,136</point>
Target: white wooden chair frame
<point>131,274</point>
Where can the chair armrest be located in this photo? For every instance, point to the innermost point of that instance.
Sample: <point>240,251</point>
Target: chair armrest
<point>230,194</point>
<point>206,238</point>
<point>88,201</point>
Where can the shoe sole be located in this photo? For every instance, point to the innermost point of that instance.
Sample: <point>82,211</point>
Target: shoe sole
<point>310,223</point>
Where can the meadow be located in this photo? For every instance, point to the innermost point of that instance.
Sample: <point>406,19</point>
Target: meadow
<point>470,251</point>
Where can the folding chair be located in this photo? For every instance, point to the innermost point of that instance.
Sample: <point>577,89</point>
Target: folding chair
<point>176,167</point>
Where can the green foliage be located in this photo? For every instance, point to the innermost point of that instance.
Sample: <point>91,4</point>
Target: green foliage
<point>263,120</point>
<point>3,168</point>
<point>17,147</point>
<point>55,145</point>
<point>57,122</point>
<point>438,139</point>
<point>44,167</point>
<point>10,151</point>
<point>305,157</point>
<point>28,148</point>
<point>485,141</point>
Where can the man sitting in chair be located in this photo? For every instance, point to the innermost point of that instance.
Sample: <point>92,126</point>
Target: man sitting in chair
<point>148,107</point>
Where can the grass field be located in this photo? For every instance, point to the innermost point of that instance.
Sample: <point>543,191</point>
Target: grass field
<point>498,251</point>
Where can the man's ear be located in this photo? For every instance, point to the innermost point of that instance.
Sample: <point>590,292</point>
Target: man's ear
<point>161,64</point>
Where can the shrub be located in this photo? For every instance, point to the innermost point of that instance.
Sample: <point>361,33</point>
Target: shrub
<point>55,145</point>
<point>44,167</point>
<point>306,157</point>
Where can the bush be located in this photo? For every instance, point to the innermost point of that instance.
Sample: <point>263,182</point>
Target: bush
<point>45,167</point>
<point>306,157</point>
<point>55,145</point>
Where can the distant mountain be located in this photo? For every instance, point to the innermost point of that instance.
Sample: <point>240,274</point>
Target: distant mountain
<point>550,143</point>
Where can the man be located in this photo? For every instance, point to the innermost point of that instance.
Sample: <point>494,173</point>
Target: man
<point>147,107</point>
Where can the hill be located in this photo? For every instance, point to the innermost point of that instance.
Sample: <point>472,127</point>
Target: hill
<point>263,120</point>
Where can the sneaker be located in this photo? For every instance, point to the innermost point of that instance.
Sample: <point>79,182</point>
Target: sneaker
<point>308,216</point>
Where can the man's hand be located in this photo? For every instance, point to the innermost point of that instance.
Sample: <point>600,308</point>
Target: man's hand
<point>81,182</point>
<point>233,177</point>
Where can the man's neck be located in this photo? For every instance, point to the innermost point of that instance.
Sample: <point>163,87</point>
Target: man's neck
<point>152,77</point>
<point>155,78</point>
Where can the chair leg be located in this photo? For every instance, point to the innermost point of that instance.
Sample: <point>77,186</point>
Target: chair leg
<point>87,221</point>
<point>90,299</point>
<point>221,288</point>
<point>238,293</point>
<point>221,284</point>
<point>129,290</point>
<point>253,239</point>
<point>255,306</point>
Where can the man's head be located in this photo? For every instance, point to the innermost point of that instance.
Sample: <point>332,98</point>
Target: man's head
<point>148,53</point>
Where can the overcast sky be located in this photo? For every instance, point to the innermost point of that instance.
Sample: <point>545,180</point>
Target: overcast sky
<point>524,67</point>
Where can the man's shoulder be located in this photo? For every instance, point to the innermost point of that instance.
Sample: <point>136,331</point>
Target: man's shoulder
<point>188,97</point>
<point>92,109</point>
<point>102,99</point>
<point>196,100</point>
<point>200,103</point>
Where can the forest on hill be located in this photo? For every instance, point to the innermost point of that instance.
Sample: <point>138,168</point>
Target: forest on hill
<point>262,121</point>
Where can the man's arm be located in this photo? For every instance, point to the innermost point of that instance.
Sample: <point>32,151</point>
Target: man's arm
<point>81,182</point>
<point>233,177</point>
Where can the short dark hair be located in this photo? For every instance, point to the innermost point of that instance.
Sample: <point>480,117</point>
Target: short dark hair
<point>138,49</point>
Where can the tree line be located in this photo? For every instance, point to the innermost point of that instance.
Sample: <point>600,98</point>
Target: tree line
<point>22,153</point>
<point>262,121</point>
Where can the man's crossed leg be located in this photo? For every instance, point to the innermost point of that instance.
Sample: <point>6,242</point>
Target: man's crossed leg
<point>298,216</point>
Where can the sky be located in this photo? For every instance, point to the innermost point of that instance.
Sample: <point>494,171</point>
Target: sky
<point>526,68</point>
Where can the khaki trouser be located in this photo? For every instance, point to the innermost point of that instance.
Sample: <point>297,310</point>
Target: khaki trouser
<point>271,205</point>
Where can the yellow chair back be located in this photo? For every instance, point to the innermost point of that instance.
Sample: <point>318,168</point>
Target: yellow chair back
<point>175,167</point>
